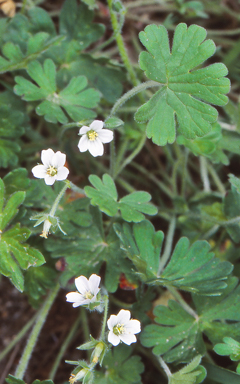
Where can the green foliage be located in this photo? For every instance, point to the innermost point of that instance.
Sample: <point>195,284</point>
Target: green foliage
<point>181,87</point>
<point>209,145</point>
<point>193,269</point>
<point>105,196</point>
<point>235,181</point>
<point>193,373</point>
<point>120,367</point>
<point>15,253</point>
<point>13,380</point>
<point>178,335</point>
<point>74,98</point>
<point>231,205</point>
<point>15,58</point>
<point>230,348</point>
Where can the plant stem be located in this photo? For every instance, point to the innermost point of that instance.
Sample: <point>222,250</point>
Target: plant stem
<point>131,93</point>
<point>112,158</point>
<point>168,246</point>
<point>216,179</point>
<point>119,39</point>
<point>64,346</point>
<point>104,317</point>
<point>133,154</point>
<point>18,337</point>
<point>182,302</point>
<point>23,363</point>
<point>204,174</point>
<point>57,201</point>
<point>165,367</point>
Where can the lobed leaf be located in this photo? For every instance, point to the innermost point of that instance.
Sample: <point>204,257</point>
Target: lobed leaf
<point>105,196</point>
<point>185,94</point>
<point>193,373</point>
<point>74,98</point>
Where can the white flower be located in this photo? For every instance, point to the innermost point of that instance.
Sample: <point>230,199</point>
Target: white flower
<point>121,328</point>
<point>52,168</point>
<point>88,290</point>
<point>93,137</point>
<point>46,227</point>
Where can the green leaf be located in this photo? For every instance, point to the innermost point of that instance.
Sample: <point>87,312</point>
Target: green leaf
<point>184,93</point>
<point>14,58</point>
<point>38,281</point>
<point>105,196</point>
<point>196,269</point>
<point>74,98</point>
<point>120,368</point>
<point>177,336</point>
<point>208,145</point>
<point>142,245</point>
<point>230,348</point>
<point>193,373</point>
<point>232,209</point>
<point>235,181</point>
<point>76,24</point>
<point>221,375</point>
<point>193,269</point>
<point>15,253</point>
<point>101,73</point>
<point>12,123</point>
<point>13,380</point>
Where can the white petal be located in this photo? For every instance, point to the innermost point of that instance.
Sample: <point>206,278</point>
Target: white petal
<point>128,338</point>
<point>112,321</point>
<point>94,281</point>
<point>83,143</point>
<point>46,156</point>
<point>105,136</point>
<point>123,316</point>
<point>133,326</point>
<point>82,284</point>
<point>113,339</point>
<point>39,171</point>
<point>59,159</point>
<point>49,180</point>
<point>84,129</point>
<point>96,125</point>
<point>74,297</point>
<point>62,173</point>
<point>95,147</point>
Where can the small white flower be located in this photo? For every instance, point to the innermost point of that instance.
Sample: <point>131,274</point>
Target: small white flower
<point>121,328</point>
<point>52,168</point>
<point>93,137</point>
<point>88,290</point>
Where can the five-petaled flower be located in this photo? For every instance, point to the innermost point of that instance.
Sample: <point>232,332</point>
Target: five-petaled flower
<point>93,137</point>
<point>121,328</point>
<point>52,168</point>
<point>87,290</point>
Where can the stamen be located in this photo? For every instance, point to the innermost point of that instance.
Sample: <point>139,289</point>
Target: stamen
<point>51,171</point>
<point>118,329</point>
<point>92,135</point>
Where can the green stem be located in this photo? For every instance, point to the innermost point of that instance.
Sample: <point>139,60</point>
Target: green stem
<point>131,93</point>
<point>184,172</point>
<point>133,154</point>
<point>75,188</point>
<point>119,39</point>
<point>86,330</point>
<point>165,367</point>
<point>23,363</point>
<point>216,179</point>
<point>18,337</point>
<point>112,158</point>
<point>104,317</point>
<point>182,302</point>
<point>57,201</point>
<point>168,246</point>
<point>64,346</point>
<point>204,174</point>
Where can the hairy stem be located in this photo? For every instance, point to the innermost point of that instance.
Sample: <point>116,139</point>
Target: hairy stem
<point>168,246</point>
<point>104,317</point>
<point>23,363</point>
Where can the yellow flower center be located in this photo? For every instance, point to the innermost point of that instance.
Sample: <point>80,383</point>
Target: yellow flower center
<point>88,295</point>
<point>118,329</point>
<point>51,171</point>
<point>92,135</point>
